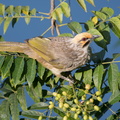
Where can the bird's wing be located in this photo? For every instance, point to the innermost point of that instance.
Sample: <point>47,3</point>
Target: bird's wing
<point>40,45</point>
<point>47,52</point>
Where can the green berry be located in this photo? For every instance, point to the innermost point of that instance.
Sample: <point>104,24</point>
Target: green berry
<point>76,101</point>
<point>99,99</point>
<point>58,95</point>
<point>60,105</point>
<point>65,118</point>
<point>84,113</point>
<point>51,106</point>
<point>54,94</point>
<point>88,102</point>
<point>73,109</point>
<point>64,109</point>
<point>51,103</point>
<point>57,98</point>
<point>96,108</point>
<point>40,118</point>
<point>83,97</point>
<point>86,91</point>
<point>75,116</point>
<point>68,114</point>
<point>98,93</point>
<point>85,117</point>
<point>90,118</point>
<point>91,100</point>
<point>78,111</point>
<point>64,93</point>
<point>66,105</point>
<point>87,86</point>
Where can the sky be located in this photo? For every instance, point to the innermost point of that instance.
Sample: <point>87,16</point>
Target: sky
<point>22,31</point>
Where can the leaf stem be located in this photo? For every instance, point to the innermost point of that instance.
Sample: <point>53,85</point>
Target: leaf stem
<point>46,31</point>
<point>110,62</point>
<point>27,17</point>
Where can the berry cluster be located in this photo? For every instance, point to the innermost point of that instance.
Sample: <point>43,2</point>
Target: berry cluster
<point>75,107</point>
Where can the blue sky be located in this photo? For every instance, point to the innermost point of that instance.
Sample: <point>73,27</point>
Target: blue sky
<point>21,31</point>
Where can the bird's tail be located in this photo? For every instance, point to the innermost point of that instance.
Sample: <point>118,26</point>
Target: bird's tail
<point>13,47</point>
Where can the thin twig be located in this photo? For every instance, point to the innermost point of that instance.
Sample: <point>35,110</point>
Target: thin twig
<point>53,21</point>
<point>27,17</point>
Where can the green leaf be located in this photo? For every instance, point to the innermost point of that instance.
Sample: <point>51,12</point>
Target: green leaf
<point>105,31</point>
<point>4,110</point>
<point>57,14</point>
<point>27,20</point>
<point>6,88</point>
<point>38,89</point>
<point>75,26</point>
<point>67,88</point>
<point>115,25</point>
<point>82,4</point>
<point>46,93</point>
<point>48,73</point>
<point>59,111</point>
<point>6,24</point>
<point>17,10</point>
<point>99,41</point>
<point>39,106</point>
<point>1,38</point>
<point>78,75</point>
<point>31,114</point>
<point>113,74</point>
<point>111,117</point>
<point>89,25</point>
<point>14,20</point>
<point>10,9</point>
<point>66,35</point>
<point>32,93</point>
<point>91,2</point>
<point>33,12</point>
<point>108,11</point>
<point>31,71</point>
<point>1,19</point>
<point>21,98</point>
<point>115,97</point>
<point>100,15</point>
<point>41,70</point>
<point>2,9</point>
<point>87,76</point>
<point>25,10</point>
<point>6,66</point>
<point>14,106</point>
<point>65,8</point>
<point>17,70</point>
<point>98,57</point>
<point>116,55</point>
<point>1,60</point>
<point>97,76</point>
<point>80,93</point>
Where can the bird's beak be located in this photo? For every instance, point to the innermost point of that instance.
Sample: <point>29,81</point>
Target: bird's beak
<point>96,36</point>
<point>85,43</point>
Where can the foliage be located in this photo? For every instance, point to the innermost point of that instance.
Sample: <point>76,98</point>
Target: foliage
<point>21,75</point>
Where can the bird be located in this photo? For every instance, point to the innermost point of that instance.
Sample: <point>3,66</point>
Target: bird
<point>58,54</point>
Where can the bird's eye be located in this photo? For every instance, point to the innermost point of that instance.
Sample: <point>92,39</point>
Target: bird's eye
<point>83,39</point>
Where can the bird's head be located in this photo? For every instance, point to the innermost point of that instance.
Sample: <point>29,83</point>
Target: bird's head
<point>84,39</point>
